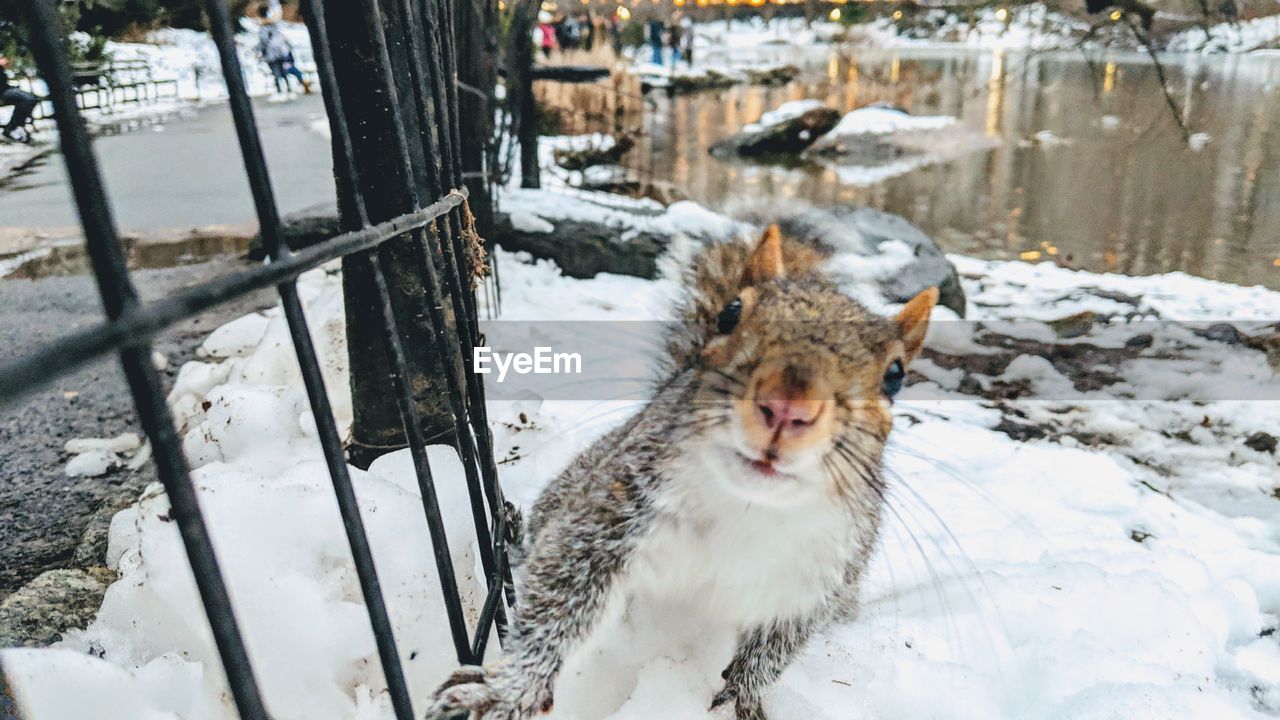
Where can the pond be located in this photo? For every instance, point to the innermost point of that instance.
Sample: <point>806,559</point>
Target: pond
<point>1077,159</point>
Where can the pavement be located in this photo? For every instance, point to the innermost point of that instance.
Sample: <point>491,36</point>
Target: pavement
<point>182,170</point>
<point>164,177</point>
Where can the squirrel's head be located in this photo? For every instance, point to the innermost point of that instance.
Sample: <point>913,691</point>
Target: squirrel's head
<point>797,382</point>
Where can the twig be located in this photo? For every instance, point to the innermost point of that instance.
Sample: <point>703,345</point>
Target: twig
<point>1160,75</point>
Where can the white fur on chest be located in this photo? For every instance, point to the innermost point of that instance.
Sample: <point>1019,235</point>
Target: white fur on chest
<point>717,554</point>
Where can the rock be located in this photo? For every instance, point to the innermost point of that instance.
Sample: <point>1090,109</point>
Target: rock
<point>583,158</point>
<point>1073,326</point>
<point>787,138</point>
<point>1141,341</point>
<point>777,75</point>
<point>1262,442</point>
<point>92,548</point>
<point>864,231</point>
<point>56,601</point>
<point>583,248</point>
<point>687,81</point>
<point>710,79</point>
<point>1223,333</point>
<point>659,190</point>
<point>304,227</point>
<point>863,150</point>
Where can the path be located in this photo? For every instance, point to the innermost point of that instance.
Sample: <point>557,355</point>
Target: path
<point>185,171</point>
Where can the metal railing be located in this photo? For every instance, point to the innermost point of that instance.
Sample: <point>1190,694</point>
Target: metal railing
<point>105,86</point>
<point>434,230</point>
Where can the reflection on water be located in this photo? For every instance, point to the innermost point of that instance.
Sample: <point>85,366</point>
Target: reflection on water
<point>1114,188</point>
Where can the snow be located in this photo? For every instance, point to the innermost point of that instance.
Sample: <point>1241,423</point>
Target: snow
<point>191,58</point>
<point>1031,26</point>
<point>753,32</point>
<point>1028,27</point>
<point>92,463</point>
<point>882,121</point>
<point>94,457</point>
<point>683,220</point>
<point>733,72</point>
<point>1198,141</point>
<point>784,112</point>
<point>1010,582</point>
<point>1228,37</point>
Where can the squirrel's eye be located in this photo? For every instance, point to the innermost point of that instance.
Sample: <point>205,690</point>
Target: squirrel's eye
<point>727,320</point>
<point>893,378</point>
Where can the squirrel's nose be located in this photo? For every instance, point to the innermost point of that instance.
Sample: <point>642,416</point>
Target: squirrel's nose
<point>777,410</point>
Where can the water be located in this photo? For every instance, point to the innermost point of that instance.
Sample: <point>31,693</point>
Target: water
<point>1115,189</point>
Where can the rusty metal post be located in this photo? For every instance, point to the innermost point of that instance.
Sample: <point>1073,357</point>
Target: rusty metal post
<point>371,108</point>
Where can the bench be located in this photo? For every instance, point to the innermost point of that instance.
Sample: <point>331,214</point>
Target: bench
<point>105,86</point>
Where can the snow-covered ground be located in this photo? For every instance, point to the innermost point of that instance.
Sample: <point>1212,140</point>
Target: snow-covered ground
<point>1250,35</point>
<point>1023,27</point>
<point>191,58</point>
<point>1125,564</point>
<point>1031,26</point>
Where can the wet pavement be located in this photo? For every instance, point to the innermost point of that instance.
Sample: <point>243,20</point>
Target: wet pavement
<point>183,171</point>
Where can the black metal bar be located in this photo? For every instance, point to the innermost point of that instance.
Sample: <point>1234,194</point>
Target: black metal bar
<point>345,159</point>
<point>344,169</point>
<point>255,163</point>
<point>569,73</point>
<point>313,378</point>
<point>467,306</point>
<point>438,35</point>
<point>426,482</point>
<point>434,237</point>
<point>433,255</point>
<point>20,377</point>
<point>119,298</point>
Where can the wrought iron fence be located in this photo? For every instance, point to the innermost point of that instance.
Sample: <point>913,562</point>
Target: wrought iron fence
<point>423,235</point>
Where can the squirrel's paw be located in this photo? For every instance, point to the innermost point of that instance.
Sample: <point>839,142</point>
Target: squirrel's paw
<point>471,693</point>
<point>743,709</point>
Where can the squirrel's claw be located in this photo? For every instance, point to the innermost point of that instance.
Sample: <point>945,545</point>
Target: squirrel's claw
<point>463,675</point>
<point>742,709</point>
<point>473,693</point>
<point>464,700</point>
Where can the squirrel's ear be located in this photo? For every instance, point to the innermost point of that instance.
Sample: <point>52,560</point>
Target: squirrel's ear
<point>765,262</point>
<point>913,321</point>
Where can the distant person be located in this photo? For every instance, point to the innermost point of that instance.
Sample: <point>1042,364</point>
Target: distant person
<point>675,38</point>
<point>589,37</point>
<point>544,35</point>
<point>615,34</point>
<point>687,30</point>
<point>571,32</point>
<point>276,52</point>
<point>23,102</point>
<point>655,32</point>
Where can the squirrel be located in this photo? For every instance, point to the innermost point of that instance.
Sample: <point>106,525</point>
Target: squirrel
<point>750,483</point>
